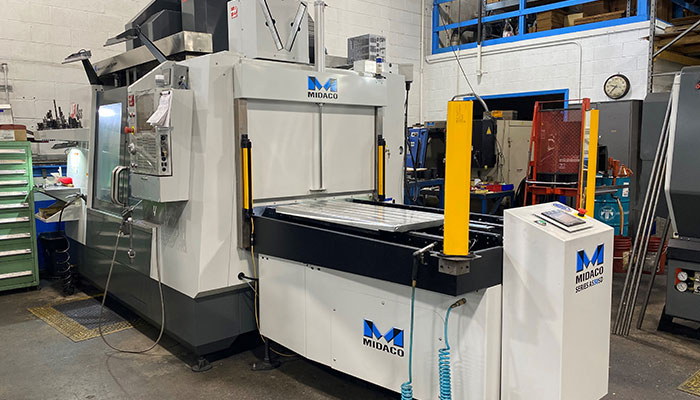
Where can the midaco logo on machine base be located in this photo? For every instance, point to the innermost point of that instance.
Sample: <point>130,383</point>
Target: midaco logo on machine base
<point>372,336</point>
<point>328,90</point>
<point>589,271</point>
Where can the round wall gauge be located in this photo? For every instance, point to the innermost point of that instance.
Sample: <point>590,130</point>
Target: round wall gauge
<point>616,86</point>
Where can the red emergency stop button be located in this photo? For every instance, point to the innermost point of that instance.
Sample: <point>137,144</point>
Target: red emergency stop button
<point>129,129</point>
<point>581,212</point>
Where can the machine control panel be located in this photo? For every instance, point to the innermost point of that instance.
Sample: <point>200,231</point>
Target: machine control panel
<point>160,126</point>
<point>563,217</point>
<point>150,143</point>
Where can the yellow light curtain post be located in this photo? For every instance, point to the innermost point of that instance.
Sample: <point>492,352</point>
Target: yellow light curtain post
<point>592,163</point>
<point>458,156</point>
<point>381,145</point>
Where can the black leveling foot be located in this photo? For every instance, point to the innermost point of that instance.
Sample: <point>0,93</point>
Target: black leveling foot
<point>268,363</point>
<point>201,365</point>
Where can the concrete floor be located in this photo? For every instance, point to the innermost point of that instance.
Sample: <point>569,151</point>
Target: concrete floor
<point>40,363</point>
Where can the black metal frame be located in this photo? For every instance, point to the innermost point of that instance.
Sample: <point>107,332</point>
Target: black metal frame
<point>380,255</point>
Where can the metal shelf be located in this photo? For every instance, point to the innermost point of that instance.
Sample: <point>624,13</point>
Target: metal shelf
<point>27,235</point>
<point>13,220</point>
<point>18,252</point>
<point>70,213</point>
<point>13,172</point>
<point>64,135</point>
<point>22,193</point>
<point>13,206</point>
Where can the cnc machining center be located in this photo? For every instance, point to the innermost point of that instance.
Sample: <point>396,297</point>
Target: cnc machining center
<point>238,164</point>
<point>167,152</point>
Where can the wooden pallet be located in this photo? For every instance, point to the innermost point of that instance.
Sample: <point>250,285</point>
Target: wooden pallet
<point>684,51</point>
<point>600,17</point>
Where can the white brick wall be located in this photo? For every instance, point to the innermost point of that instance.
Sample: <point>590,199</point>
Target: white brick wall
<point>579,62</point>
<point>36,35</point>
<point>398,20</point>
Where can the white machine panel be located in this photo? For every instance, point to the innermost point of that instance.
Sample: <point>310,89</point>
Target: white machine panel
<point>556,304</point>
<point>290,130</point>
<point>349,141</point>
<point>320,314</point>
<point>287,131</point>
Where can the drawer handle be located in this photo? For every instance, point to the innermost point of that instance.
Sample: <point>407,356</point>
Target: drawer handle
<point>13,194</point>
<point>12,151</point>
<point>13,220</point>
<point>8,253</point>
<point>13,183</point>
<point>10,275</point>
<point>13,206</point>
<point>13,236</point>
<point>13,172</point>
<point>12,162</point>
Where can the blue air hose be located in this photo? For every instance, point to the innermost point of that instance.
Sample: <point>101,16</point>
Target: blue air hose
<point>444,359</point>
<point>406,387</point>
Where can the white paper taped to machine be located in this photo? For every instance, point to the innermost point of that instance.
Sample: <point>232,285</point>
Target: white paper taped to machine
<point>161,117</point>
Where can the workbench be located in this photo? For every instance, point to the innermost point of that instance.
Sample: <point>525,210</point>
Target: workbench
<point>496,197</point>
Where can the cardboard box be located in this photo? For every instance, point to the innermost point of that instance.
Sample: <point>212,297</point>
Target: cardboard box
<point>664,10</point>
<point>13,133</point>
<point>550,20</point>
<point>571,18</point>
<point>594,8</point>
<point>621,5</point>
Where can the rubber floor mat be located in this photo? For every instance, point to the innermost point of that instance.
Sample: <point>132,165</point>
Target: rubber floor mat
<point>78,319</point>
<point>692,385</point>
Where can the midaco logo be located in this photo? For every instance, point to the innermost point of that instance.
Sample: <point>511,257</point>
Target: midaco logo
<point>328,90</point>
<point>589,271</point>
<point>372,336</point>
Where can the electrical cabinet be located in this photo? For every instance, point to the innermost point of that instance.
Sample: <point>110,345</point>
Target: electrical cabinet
<point>514,142</point>
<point>18,257</point>
<point>620,131</point>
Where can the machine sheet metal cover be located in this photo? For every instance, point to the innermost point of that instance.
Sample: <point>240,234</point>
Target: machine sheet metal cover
<point>361,215</point>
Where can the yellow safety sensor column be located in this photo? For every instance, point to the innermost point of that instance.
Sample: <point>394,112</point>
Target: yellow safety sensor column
<point>592,167</point>
<point>381,175</point>
<point>246,192</point>
<point>458,157</point>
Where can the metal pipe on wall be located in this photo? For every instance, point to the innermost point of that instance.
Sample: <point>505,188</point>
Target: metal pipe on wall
<point>487,52</point>
<point>422,61</point>
<point>320,61</point>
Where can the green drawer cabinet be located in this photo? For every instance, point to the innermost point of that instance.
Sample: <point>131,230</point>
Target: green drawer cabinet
<point>18,258</point>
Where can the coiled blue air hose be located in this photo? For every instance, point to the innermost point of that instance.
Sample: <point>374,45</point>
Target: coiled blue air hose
<point>444,359</point>
<point>406,387</point>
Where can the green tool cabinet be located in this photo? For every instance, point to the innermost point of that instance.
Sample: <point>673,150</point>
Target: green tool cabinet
<point>18,258</point>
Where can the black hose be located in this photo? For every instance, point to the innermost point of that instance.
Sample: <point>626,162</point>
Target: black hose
<point>407,144</point>
<point>64,265</point>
